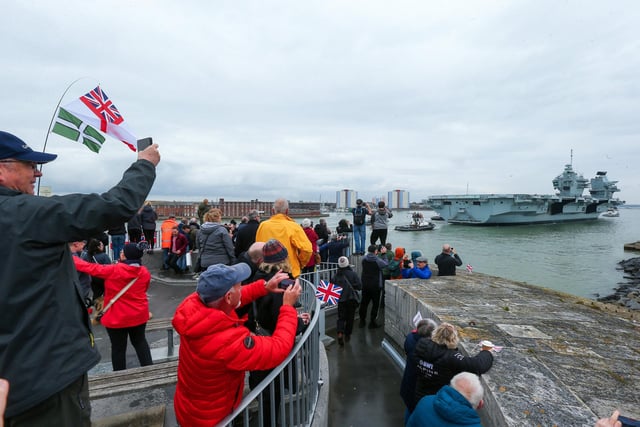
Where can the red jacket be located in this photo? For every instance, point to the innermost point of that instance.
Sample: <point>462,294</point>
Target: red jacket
<point>132,308</point>
<point>181,243</point>
<point>313,238</point>
<point>215,351</point>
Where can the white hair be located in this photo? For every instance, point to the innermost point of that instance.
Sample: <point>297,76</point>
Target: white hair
<point>468,385</point>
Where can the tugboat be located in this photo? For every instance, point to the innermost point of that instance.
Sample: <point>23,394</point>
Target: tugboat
<point>417,224</point>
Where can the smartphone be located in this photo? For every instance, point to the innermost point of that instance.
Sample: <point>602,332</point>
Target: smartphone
<point>144,143</point>
<point>286,283</point>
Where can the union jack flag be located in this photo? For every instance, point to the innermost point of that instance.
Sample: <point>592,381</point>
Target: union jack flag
<point>328,292</point>
<point>98,102</point>
<point>469,268</point>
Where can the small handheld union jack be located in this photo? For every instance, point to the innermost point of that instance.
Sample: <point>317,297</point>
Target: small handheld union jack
<point>469,268</point>
<point>328,292</point>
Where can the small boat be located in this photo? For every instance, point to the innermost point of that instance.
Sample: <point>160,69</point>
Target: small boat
<point>437,218</point>
<point>611,213</point>
<point>417,224</point>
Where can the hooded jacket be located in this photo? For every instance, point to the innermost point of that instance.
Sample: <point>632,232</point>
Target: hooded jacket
<point>395,265</point>
<point>380,219</point>
<point>290,234</point>
<point>448,408</point>
<point>46,341</point>
<point>215,351</point>
<point>437,364</point>
<point>215,245</point>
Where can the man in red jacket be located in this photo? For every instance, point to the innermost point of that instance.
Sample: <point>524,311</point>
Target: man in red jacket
<point>216,348</point>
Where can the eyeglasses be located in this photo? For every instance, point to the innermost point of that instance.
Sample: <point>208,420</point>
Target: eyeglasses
<point>33,165</point>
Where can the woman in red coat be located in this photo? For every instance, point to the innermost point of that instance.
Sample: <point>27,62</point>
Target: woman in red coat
<point>128,315</point>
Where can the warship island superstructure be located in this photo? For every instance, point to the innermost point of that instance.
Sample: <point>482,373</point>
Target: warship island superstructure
<point>568,204</point>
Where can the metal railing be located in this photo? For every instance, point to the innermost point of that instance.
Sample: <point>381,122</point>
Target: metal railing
<point>292,388</point>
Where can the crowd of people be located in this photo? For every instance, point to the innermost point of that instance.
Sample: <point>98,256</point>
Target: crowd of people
<point>241,318</point>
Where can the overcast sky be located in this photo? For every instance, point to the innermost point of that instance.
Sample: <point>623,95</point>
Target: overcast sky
<point>262,99</point>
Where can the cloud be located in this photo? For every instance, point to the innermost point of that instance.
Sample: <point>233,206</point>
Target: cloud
<point>260,100</point>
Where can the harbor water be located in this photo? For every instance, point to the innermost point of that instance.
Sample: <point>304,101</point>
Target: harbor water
<point>577,258</point>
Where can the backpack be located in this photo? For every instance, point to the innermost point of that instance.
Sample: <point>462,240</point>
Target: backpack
<point>359,215</point>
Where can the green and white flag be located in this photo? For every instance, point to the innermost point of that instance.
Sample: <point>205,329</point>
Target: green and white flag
<point>72,127</point>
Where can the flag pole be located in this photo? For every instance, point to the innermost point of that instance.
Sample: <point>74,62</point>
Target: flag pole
<point>53,117</point>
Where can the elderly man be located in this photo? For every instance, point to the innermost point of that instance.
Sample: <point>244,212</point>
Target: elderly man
<point>252,257</point>
<point>288,232</point>
<point>447,261</point>
<point>216,349</point>
<point>46,342</point>
<point>454,405</point>
<point>419,271</point>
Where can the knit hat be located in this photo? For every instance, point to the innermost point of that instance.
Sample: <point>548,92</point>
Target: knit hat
<point>306,223</point>
<point>273,252</point>
<point>132,251</point>
<point>216,280</point>
<point>422,259</point>
<point>343,262</point>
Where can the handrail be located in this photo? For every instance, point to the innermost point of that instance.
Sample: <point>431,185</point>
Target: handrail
<point>297,377</point>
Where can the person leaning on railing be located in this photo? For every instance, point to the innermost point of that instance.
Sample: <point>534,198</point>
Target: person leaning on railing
<point>216,348</point>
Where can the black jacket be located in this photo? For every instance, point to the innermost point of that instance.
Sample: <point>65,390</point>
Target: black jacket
<point>437,364</point>
<point>148,217</point>
<point>135,222</point>
<point>46,341</point>
<point>246,236</point>
<point>447,264</point>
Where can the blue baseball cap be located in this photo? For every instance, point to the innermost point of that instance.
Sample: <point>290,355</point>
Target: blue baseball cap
<point>215,281</point>
<point>12,147</point>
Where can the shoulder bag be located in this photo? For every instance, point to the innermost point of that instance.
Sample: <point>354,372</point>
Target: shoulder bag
<point>357,295</point>
<point>101,313</point>
<point>198,267</point>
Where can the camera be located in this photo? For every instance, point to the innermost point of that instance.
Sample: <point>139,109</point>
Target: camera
<point>407,263</point>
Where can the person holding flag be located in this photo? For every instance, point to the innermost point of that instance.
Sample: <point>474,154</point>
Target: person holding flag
<point>46,342</point>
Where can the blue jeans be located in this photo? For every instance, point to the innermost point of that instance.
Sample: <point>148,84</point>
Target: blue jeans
<point>165,258</point>
<point>117,245</point>
<point>360,237</point>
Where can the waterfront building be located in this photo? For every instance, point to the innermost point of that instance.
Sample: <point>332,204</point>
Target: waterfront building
<point>346,199</point>
<point>234,209</point>
<point>398,199</point>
